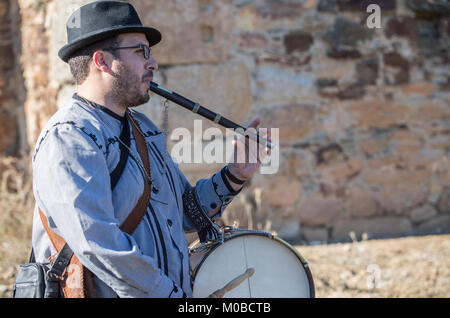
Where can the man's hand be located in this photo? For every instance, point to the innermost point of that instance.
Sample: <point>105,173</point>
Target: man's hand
<point>248,154</point>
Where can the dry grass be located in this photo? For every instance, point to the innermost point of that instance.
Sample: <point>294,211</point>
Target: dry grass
<point>415,267</point>
<point>16,214</point>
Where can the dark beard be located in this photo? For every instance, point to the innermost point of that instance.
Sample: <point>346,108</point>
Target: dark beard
<point>126,89</point>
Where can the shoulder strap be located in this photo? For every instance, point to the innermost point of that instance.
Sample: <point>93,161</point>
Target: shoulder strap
<point>125,138</point>
<point>135,217</point>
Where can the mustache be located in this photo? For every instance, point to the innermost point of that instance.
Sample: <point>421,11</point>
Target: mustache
<point>148,74</point>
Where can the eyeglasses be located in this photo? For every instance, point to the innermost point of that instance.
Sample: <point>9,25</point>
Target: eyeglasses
<point>145,49</point>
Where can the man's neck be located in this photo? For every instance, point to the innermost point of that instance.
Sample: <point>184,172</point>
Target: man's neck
<point>101,99</point>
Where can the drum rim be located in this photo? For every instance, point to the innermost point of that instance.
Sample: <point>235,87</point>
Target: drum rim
<point>300,257</point>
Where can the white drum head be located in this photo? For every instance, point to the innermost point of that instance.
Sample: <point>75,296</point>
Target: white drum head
<point>279,273</point>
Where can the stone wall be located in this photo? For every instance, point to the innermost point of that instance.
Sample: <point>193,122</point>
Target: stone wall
<point>12,94</point>
<point>363,113</point>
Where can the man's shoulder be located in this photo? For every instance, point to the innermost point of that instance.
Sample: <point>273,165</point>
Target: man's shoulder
<point>76,115</point>
<point>73,119</point>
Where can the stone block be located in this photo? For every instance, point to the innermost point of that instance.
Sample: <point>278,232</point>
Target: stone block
<point>284,60</point>
<point>351,91</point>
<point>360,202</point>
<point>277,86</point>
<point>9,131</point>
<point>6,57</point>
<point>4,9</point>
<point>434,110</point>
<point>297,41</point>
<point>315,234</point>
<point>344,53</point>
<point>192,31</point>
<point>397,69</point>
<point>342,171</point>
<point>327,87</point>
<point>328,154</point>
<point>429,8</point>
<point>297,165</point>
<point>367,71</point>
<point>354,5</point>
<point>373,145</point>
<point>280,10</point>
<point>294,121</point>
<point>252,41</point>
<point>327,6</point>
<point>318,210</point>
<point>422,213</point>
<point>377,227</point>
<point>328,68</point>
<point>247,19</point>
<point>343,37</point>
<point>379,114</point>
<point>405,27</point>
<point>361,5</point>
<point>439,224</point>
<point>444,201</point>
<point>281,191</point>
<point>399,190</point>
<point>224,89</point>
<point>287,230</point>
<point>386,162</point>
<point>421,89</point>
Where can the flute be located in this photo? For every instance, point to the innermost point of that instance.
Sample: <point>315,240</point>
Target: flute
<point>208,114</point>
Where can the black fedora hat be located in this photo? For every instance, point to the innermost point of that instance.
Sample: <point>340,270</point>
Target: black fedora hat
<point>100,20</point>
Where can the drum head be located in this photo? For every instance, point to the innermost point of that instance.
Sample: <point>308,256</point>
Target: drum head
<point>279,272</point>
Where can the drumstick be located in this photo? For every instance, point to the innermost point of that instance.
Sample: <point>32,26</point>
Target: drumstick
<point>232,284</point>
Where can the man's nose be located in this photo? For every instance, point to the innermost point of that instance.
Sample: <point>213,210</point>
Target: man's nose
<point>151,64</point>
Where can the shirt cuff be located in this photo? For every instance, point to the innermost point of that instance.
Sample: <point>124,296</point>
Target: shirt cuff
<point>215,192</point>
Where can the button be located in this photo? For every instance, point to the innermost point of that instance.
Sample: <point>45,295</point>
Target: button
<point>213,205</point>
<point>155,190</point>
<point>169,222</point>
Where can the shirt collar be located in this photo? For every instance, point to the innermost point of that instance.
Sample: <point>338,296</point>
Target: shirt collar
<point>98,106</point>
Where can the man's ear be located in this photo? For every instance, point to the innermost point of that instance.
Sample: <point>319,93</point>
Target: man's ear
<point>102,61</point>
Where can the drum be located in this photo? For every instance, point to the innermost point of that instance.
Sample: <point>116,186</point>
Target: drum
<point>280,271</point>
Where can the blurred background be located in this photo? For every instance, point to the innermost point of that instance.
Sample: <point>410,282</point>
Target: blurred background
<point>363,115</point>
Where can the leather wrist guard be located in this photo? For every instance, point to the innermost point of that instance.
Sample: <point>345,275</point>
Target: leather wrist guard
<point>205,227</point>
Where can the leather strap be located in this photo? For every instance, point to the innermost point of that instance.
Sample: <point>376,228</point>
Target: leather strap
<point>135,217</point>
<point>77,287</point>
<point>84,286</point>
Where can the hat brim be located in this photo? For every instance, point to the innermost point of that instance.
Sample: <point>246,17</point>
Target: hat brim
<point>153,37</point>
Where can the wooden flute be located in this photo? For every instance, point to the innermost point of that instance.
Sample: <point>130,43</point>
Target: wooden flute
<point>208,114</point>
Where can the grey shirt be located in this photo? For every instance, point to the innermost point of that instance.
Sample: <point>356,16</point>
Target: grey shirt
<point>73,158</point>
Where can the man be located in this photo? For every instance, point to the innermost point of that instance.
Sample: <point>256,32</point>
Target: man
<point>78,150</point>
